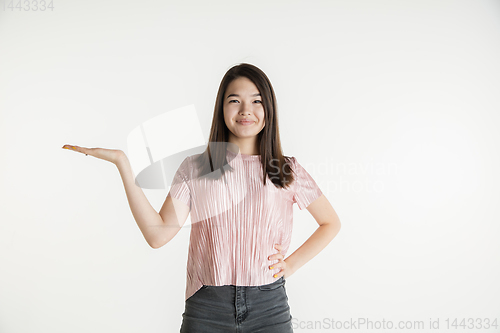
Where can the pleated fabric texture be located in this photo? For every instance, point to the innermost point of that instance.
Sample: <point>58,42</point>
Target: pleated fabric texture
<point>236,220</point>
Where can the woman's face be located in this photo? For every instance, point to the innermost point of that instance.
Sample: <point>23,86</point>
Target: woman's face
<point>242,101</point>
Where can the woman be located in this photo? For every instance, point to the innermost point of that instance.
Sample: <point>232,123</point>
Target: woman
<point>240,193</point>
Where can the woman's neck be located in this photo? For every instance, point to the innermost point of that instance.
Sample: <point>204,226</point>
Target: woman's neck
<point>245,146</point>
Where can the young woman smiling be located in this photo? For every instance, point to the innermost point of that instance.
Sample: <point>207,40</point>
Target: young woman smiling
<point>240,193</point>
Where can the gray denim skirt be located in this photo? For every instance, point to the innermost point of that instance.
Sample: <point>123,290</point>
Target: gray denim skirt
<point>242,309</point>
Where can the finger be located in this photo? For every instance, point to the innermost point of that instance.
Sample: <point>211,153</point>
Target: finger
<point>70,147</point>
<point>275,266</point>
<point>276,269</point>
<point>279,274</point>
<point>78,149</point>
<point>275,256</point>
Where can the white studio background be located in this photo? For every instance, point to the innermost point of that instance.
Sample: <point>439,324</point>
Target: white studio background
<point>392,106</point>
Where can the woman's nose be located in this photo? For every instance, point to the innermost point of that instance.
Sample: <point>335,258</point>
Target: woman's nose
<point>245,108</point>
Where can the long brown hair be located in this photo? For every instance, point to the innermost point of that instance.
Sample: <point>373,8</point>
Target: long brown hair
<point>274,163</point>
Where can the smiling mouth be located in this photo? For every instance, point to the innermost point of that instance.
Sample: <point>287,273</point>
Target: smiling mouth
<point>245,122</point>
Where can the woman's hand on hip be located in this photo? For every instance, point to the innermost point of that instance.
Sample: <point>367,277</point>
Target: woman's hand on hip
<point>281,264</point>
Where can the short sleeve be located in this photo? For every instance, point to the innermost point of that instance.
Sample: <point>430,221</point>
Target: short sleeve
<point>305,190</point>
<point>179,188</point>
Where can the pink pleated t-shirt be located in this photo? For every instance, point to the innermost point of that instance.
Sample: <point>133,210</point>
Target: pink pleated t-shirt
<point>236,220</point>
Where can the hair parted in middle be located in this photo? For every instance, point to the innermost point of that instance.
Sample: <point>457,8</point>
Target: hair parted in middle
<point>275,165</point>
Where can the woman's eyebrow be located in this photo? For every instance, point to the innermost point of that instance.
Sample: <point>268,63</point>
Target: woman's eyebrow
<point>239,95</point>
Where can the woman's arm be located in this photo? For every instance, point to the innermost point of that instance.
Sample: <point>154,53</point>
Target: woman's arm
<point>157,228</point>
<point>329,227</point>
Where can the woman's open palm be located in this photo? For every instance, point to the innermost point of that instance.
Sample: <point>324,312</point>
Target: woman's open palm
<point>111,155</point>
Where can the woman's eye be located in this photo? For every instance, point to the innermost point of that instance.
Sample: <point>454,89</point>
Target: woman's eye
<point>235,100</point>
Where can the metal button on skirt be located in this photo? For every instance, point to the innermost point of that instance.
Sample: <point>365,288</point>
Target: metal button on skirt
<point>241,309</point>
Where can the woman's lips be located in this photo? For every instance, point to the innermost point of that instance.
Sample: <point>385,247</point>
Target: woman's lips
<point>245,123</point>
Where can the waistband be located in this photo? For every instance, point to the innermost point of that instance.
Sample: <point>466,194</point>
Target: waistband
<point>278,283</point>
